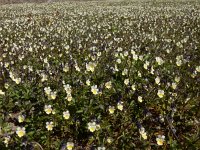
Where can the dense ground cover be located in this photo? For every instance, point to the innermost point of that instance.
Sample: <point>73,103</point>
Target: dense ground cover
<point>100,75</point>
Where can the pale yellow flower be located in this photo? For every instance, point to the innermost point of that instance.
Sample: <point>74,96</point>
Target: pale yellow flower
<point>198,68</point>
<point>49,126</point>
<point>90,66</point>
<point>177,79</point>
<point>70,145</point>
<point>135,56</point>
<point>179,60</point>
<point>2,93</point>
<point>77,68</point>
<point>94,90</point>
<point>6,140</point>
<point>161,93</point>
<point>44,77</point>
<point>17,80</point>
<point>67,88</point>
<point>109,140</point>
<point>140,99</point>
<point>66,68</point>
<point>53,95</point>
<point>101,148</point>
<point>159,60</point>
<point>152,70</point>
<point>111,109</point>
<point>119,61</point>
<point>139,74</point>
<point>21,118</point>
<point>178,63</point>
<point>126,81</point>
<point>160,139</point>
<point>47,90</point>
<point>157,80</point>
<point>20,131</point>
<point>88,82</point>
<point>6,85</point>
<point>92,126</point>
<point>133,87</point>
<point>48,109</point>
<point>174,85</point>
<point>146,65</point>
<point>108,85</point>
<point>126,53</point>
<point>66,114</point>
<point>69,97</point>
<point>143,133</point>
<point>120,106</point>
<point>53,111</point>
<point>125,72</point>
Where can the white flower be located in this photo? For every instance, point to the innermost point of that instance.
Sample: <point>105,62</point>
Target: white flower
<point>44,77</point>
<point>17,80</point>
<point>160,93</point>
<point>30,49</point>
<point>174,85</point>
<point>48,109</point>
<point>66,114</point>
<point>143,133</point>
<point>135,56</point>
<point>111,109</point>
<point>2,93</point>
<point>133,87</point>
<point>157,80</point>
<point>53,95</point>
<point>53,111</point>
<point>77,68</point>
<point>20,131</point>
<point>120,106</point>
<point>90,66</point>
<point>92,126</point>
<point>66,68</point>
<point>70,145</point>
<point>126,81</point>
<point>69,97</point>
<point>21,118</point>
<point>47,90</point>
<point>178,63</point>
<point>49,126</point>
<point>177,79</point>
<point>140,99</point>
<point>101,148</point>
<point>160,139</point>
<point>94,90</point>
<point>152,70</point>
<point>119,61</point>
<point>68,89</point>
<point>179,60</point>
<point>141,57</point>
<point>126,53</point>
<point>159,60</point>
<point>198,68</point>
<point>139,74</point>
<point>109,140</point>
<point>125,72</point>
<point>6,86</point>
<point>6,140</point>
<point>108,85</point>
<point>146,65</point>
<point>88,82</point>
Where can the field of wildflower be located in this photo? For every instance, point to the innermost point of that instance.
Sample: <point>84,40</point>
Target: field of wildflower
<point>100,75</point>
